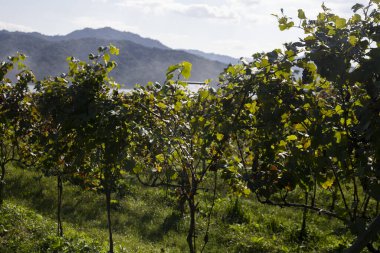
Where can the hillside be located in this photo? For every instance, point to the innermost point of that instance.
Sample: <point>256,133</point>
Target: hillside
<point>24,230</point>
<point>214,57</point>
<point>106,33</point>
<point>145,220</point>
<point>137,63</point>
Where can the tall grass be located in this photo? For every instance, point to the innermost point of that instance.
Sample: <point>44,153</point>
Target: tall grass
<point>146,220</point>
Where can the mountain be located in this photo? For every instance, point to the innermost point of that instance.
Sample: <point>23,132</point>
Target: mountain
<point>139,62</point>
<point>106,33</point>
<point>213,57</point>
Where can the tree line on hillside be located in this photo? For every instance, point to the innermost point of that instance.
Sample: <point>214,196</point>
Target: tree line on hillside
<point>264,131</point>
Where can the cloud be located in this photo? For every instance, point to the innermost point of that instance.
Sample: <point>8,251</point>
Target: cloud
<point>312,8</point>
<point>148,6</point>
<point>206,11</point>
<point>222,11</point>
<point>93,22</point>
<point>14,27</point>
<point>243,2</point>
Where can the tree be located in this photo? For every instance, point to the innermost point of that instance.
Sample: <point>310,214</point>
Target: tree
<point>108,153</point>
<point>310,130</point>
<point>56,148</point>
<point>179,140</point>
<point>99,117</point>
<point>16,117</point>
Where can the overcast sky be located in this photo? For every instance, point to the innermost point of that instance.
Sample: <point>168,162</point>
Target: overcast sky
<point>231,27</point>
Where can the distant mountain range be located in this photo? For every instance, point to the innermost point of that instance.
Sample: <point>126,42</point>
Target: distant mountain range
<point>140,59</point>
<point>214,57</point>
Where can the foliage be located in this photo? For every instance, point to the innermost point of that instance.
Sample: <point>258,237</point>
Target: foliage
<point>83,128</point>
<point>312,132</point>
<point>15,116</point>
<point>297,127</point>
<point>178,141</point>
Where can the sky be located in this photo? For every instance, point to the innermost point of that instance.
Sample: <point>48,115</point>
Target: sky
<point>230,27</point>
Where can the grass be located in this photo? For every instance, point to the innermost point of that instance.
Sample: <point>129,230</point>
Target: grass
<point>145,220</point>
<point>23,230</point>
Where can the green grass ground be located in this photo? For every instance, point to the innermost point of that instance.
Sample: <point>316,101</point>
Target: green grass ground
<point>145,220</point>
